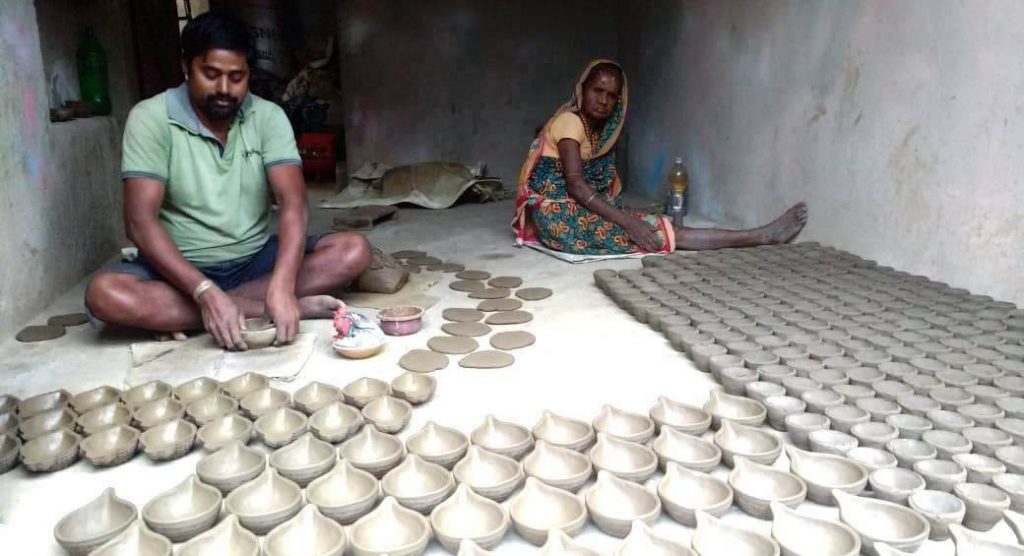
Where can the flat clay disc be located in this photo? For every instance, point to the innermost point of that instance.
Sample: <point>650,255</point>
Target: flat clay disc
<point>423,361</point>
<point>446,267</point>
<point>467,329</point>
<point>533,294</point>
<point>514,339</point>
<point>473,275</point>
<point>40,333</point>
<point>487,359</point>
<point>412,269</point>
<point>505,282</point>
<point>70,319</point>
<point>491,293</point>
<point>408,254</point>
<point>504,304</point>
<point>455,345</point>
<point>467,285</point>
<point>424,261</point>
<point>462,315</point>
<point>509,317</point>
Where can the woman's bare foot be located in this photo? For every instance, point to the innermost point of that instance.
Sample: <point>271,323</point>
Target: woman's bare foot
<point>319,306</point>
<point>787,226</point>
<point>169,336</point>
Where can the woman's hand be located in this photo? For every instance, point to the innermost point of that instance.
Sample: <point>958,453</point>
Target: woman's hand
<point>642,234</point>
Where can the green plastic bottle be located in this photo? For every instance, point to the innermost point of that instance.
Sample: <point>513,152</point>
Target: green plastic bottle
<point>92,74</point>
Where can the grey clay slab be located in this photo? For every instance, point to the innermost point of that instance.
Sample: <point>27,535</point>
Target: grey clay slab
<point>462,315</point>
<point>505,282</point>
<point>423,361</point>
<point>70,319</point>
<point>468,329</point>
<point>40,333</point>
<point>487,359</point>
<point>514,339</point>
<point>408,254</point>
<point>454,345</point>
<point>473,275</point>
<point>509,317</point>
<point>491,293</point>
<point>533,294</point>
<point>446,267</point>
<point>503,304</point>
<point>467,286</point>
<point>423,261</point>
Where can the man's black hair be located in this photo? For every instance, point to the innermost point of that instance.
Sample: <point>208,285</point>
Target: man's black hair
<point>214,30</point>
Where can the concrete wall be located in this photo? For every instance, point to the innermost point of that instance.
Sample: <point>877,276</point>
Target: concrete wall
<point>899,122</point>
<point>462,80</point>
<point>60,208</point>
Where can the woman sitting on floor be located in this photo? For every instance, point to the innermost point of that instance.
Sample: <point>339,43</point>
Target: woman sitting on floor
<point>568,188</point>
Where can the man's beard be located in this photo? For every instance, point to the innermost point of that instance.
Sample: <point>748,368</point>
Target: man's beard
<point>217,112</point>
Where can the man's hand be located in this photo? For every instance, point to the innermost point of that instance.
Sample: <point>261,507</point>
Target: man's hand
<point>642,233</point>
<point>222,319</point>
<point>283,309</point>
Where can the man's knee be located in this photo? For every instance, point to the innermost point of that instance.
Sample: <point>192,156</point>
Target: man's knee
<point>350,254</point>
<point>108,296</point>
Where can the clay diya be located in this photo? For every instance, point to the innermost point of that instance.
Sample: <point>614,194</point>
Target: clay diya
<point>86,528</point>
<point>468,516</point>
<point>490,475</point>
<point>345,493</point>
<point>188,509</point>
<point>417,484</point>
<point>390,529</point>
<point>614,504</point>
<point>438,444</point>
<point>539,509</point>
<point>501,437</point>
<point>231,466</point>
<point>264,502</point>
<point>559,467</point>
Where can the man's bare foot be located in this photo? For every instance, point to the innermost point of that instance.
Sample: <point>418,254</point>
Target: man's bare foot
<point>787,226</point>
<point>319,306</point>
<point>168,336</point>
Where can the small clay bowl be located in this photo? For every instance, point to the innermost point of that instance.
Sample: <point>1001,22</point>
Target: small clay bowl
<point>878,408</point>
<point>111,446</point>
<point>1012,457</point>
<point>757,486</point>
<point>951,421</point>
<point>800,425</point>
<point>10,447</point>
<point>47,421</point>
<point>683,492</point>
<point>258,332</point>
<point>169,440</point>
<point>401,320</point>
<point>565,432</point>
<point>415,388</point>
<point>257,403</point>
<point>987,440</point>
<point>872,458</point>
<point>985,505</point>
<point>231,467</point>
<point>1013,485</point>
<point>188,509</point>
<point>56,399</point>
<point>780,407</point>
<point>156,412</point>
<point>980,468</point>
<point>614,504</point>
<point>940,474</point>
<point>873,434</point>
<point>468,516</point>
<point>86,528</point>
<point>315,395</point>
<point>947,443</point>
<point>224,430</point>
<point>335,422</point>
<point>941,509</point>
<point>196,389</point>
<point>895,484</point>
<point>983,414</point>
<point>844,417</point>
<point>373,451</point>
<point>210,408</point>
<point>682,417</point>
<point>245,383</point>
<point>51,451</point>
<point>362,351</point>
<point>557,466</point>
<point>390,529</point>
<point>539,508</point>
<point>97,397</point>
<point>501,437</point>
<point>831,442</point>
<point>819,400</point>
<point>625,425</point>
<point>626,460</point>
<point>688,451</point>
<point>280,426</point>
<point>362,391</point>
<point>750,442</point>
<point>418,485</point>
<point>146,392</point>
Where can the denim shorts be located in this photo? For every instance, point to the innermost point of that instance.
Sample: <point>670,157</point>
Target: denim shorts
<point>227,275</point>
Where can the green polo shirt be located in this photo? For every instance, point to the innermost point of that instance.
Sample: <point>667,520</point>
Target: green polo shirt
<point>216,201</point>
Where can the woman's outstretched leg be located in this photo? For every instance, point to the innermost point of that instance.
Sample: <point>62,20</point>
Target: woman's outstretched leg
<point>781,230</point>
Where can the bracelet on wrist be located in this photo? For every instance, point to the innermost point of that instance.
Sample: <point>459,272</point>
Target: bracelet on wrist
<point>202,288</point>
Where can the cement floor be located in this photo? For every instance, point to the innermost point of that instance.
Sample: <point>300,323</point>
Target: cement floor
<point>588,353</point>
